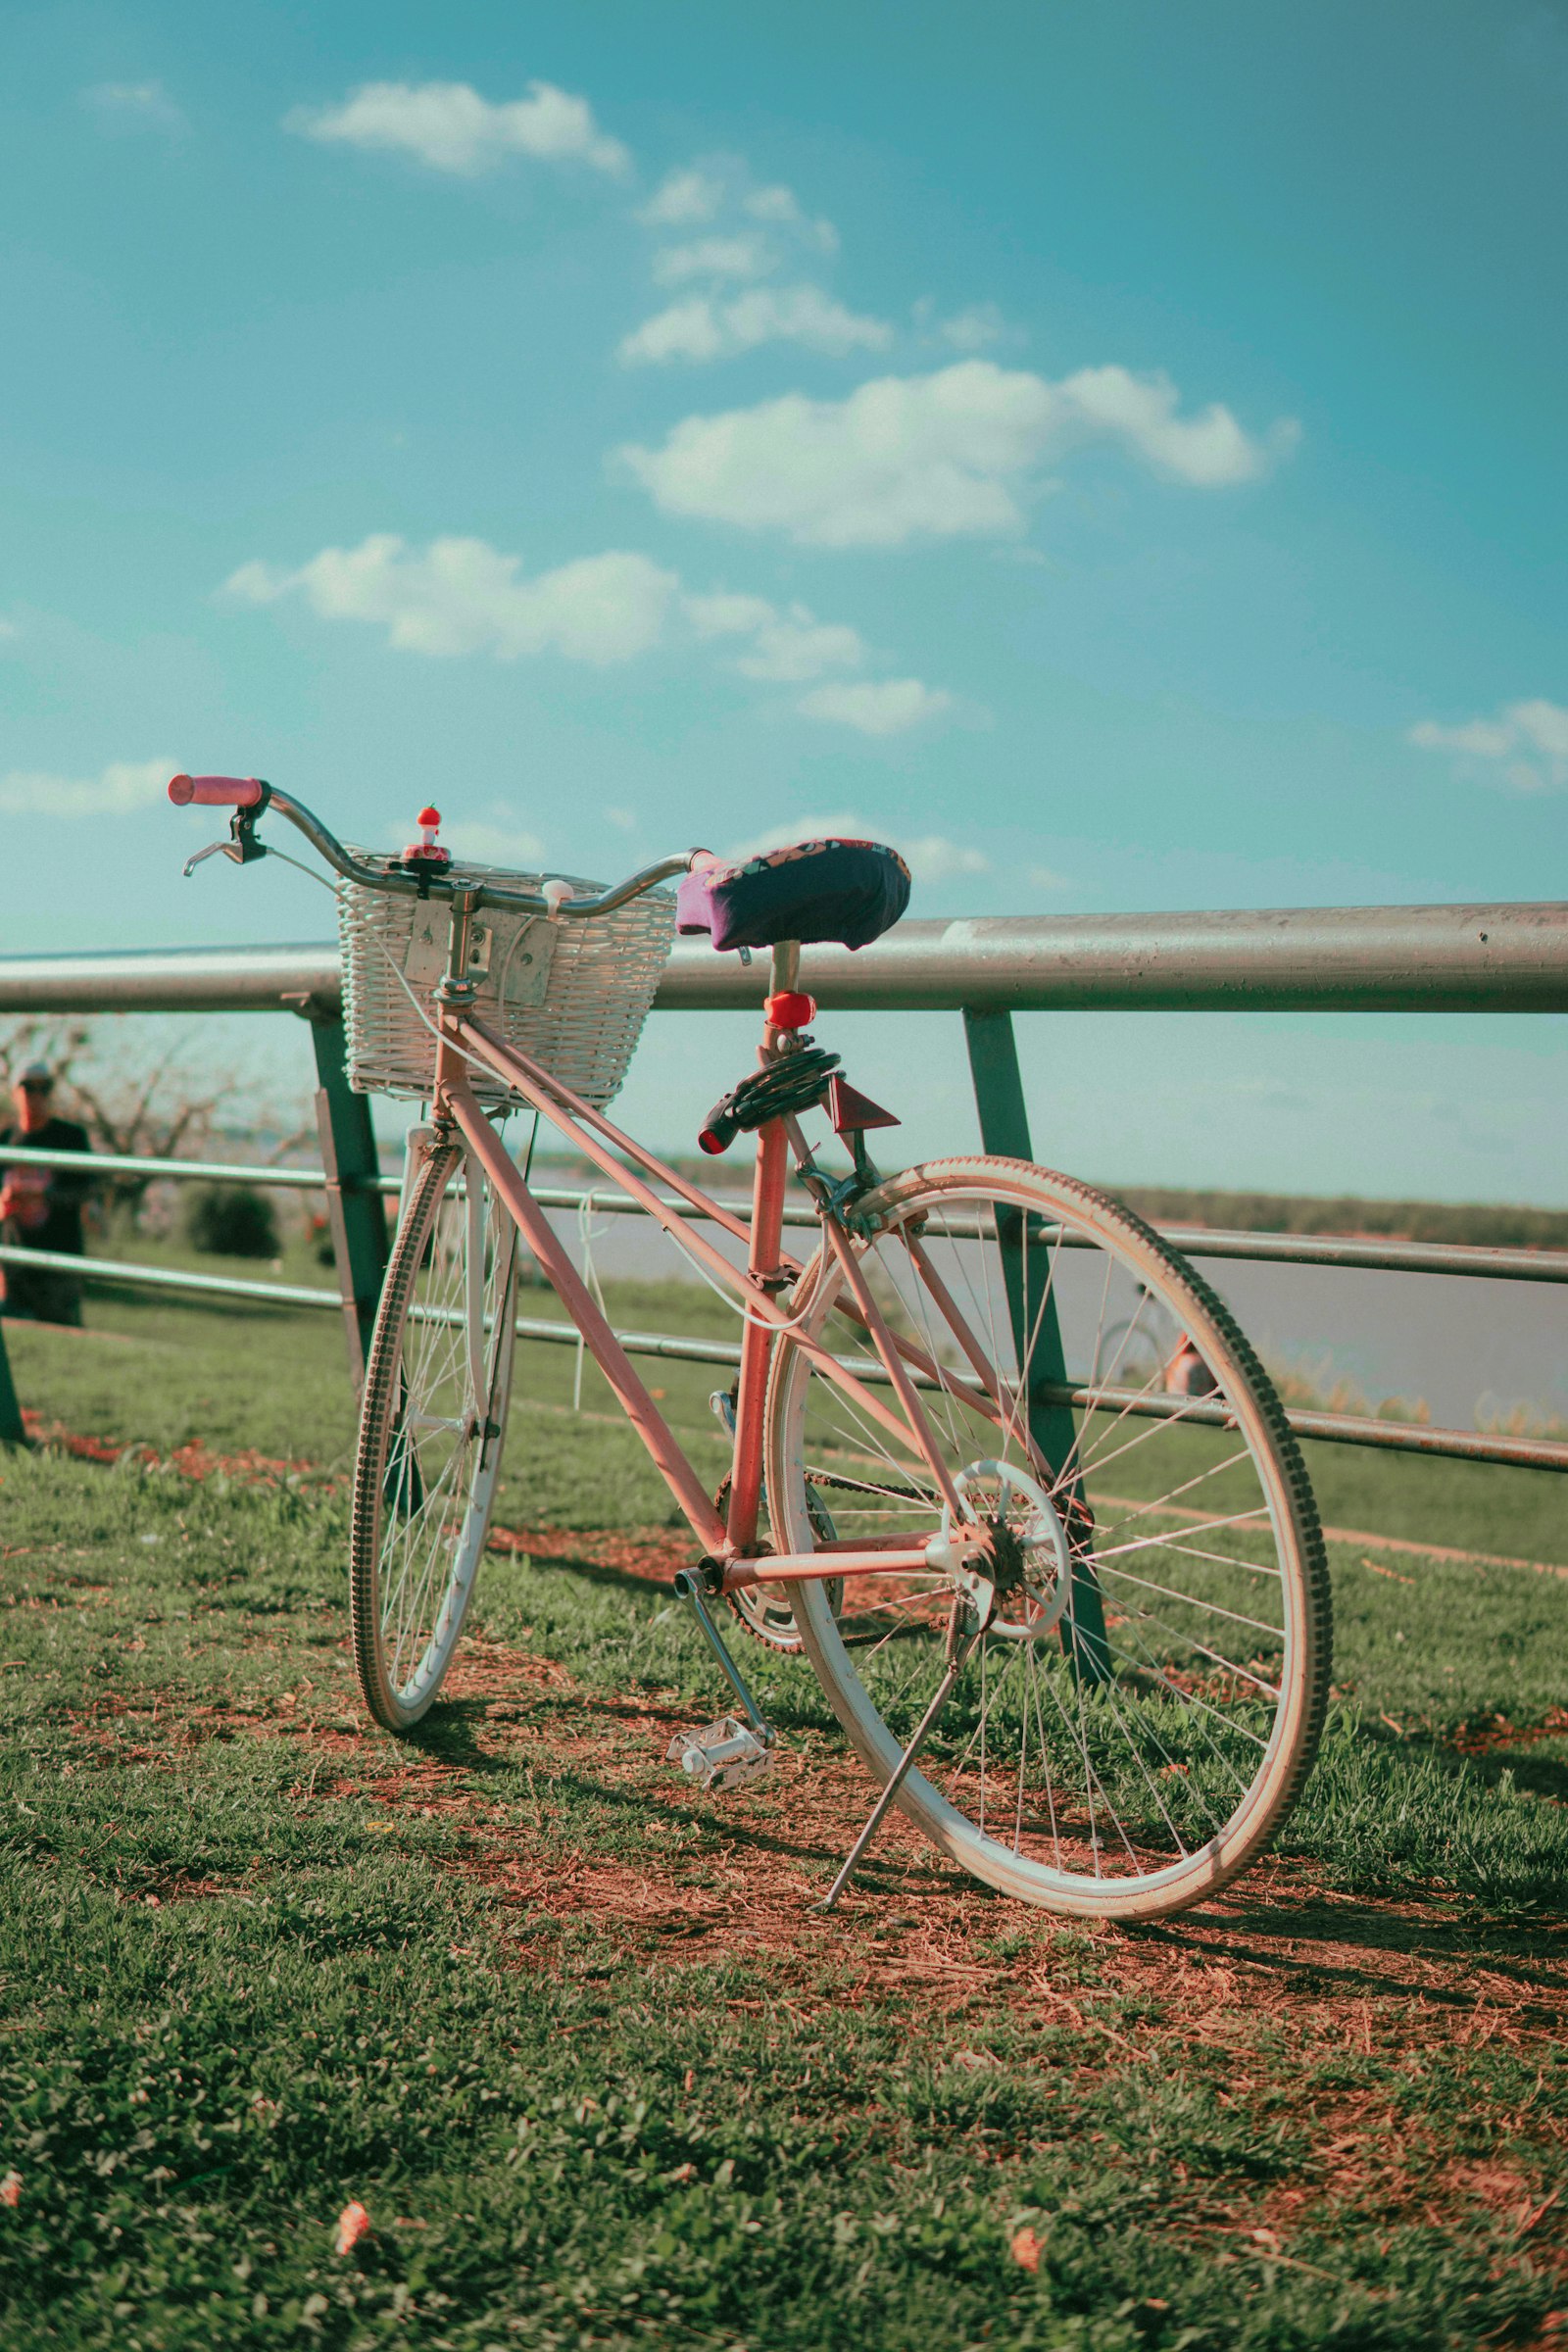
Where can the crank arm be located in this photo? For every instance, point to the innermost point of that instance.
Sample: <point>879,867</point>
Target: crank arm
<point>690,1588</point>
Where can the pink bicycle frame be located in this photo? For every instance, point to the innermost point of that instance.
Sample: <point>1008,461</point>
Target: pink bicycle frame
<point>729,1543</point>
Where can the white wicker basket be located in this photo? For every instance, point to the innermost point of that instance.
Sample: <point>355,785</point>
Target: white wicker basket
<point>572,996</point>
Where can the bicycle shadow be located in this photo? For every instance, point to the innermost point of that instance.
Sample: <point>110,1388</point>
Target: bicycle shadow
<point>813,1808</point>
<point>452,1735</point>
<point>1512,1757</point>
<point>1314,1940</point>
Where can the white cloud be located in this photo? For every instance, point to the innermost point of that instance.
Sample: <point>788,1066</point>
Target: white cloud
<point>1542,724</point>
<point>697,194</point>
<point>929,857</point>
<point>711,257</point>
<point>877,706</point>
<point>1480,738</point>
<point>1046,877</point>
<point>500,839</point>
<point>121,787</point>
<point>8,628</point>
<point>687,330</point>
<point>463,596</point>
<point>135,106</point>
<point>934,455</point>
<point>683,200</point>
<point>782,205</point>
<point>1525,747</point>
<point>974,330</point>
<point>702,328</point>
<point>785,647</point>
<point>448,125</point>
<point>776,203</point>
<point>624,820</point>
<point>932,858</point>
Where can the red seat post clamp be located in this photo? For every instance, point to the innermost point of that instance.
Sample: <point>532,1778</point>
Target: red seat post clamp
<point>789,1008</point>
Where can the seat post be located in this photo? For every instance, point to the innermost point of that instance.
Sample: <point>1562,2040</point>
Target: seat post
<point>768,1180</point>
<point>786,964</point>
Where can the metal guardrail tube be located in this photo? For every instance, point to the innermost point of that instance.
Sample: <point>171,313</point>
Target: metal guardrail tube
<point>176,1171</point>
<point>1195,1241</point>
<point>1340,1429</point>
<point>1274,959</point>
<point>266,979</point>
<point>1387,1257</point>
<point>1481,959</point>
<point>168,1278</point>
<point>1344,1429</point>
<point>723,1353</point>
<point>1390,1255</point>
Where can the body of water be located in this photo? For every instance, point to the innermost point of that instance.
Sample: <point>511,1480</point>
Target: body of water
<point>1472,1349</point>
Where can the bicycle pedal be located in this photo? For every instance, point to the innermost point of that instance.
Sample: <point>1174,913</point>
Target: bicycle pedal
<point>725,1755</point>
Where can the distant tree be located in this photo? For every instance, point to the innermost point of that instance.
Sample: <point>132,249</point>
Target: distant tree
<point>139,1095</point>
<point>230,1220</point>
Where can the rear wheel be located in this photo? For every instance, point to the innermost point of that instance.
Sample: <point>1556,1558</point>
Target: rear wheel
<point>1145,1698</point>
<point>431,1428</point>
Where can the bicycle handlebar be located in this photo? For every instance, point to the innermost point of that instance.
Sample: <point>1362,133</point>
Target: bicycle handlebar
<point>217,792</point>
<point>250,791</point>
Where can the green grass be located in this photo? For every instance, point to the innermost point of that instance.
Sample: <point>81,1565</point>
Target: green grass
<point>574,2037</point>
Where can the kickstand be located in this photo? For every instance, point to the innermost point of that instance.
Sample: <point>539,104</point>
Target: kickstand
<point>962,1646</point>
<point>687,1585</point>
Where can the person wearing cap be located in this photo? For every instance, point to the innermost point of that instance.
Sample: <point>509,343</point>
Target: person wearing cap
<point>40,1209</point>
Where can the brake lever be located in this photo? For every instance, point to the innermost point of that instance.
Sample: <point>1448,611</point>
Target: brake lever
<point>242,845</point>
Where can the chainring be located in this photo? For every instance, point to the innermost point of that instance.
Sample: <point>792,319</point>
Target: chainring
<point>767,1615</point>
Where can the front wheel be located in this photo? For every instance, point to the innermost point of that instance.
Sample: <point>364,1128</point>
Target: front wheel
<point>1149,1674</point>
<point>431,1428</point>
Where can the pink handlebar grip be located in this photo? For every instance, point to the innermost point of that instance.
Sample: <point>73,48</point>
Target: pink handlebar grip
<point>217,791</point>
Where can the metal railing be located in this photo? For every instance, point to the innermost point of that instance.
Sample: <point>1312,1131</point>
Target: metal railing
<point>1508,959</point>
<point>1481,959</point>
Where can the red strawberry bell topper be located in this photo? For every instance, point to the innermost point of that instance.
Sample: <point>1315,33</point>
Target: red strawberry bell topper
<point>426,853</point>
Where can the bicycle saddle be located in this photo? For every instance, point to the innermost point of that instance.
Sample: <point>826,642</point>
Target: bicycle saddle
<point>849,892</point>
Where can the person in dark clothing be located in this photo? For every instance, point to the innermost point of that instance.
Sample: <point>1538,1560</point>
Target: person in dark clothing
<point>40,1209</point>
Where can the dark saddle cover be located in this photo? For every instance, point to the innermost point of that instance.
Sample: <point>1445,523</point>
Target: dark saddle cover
<point>846,891</point>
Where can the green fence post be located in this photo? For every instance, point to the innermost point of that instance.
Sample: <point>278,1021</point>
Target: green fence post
<point>12,1431</point>
<point>355,1209</point>
<point>1004,1129</point>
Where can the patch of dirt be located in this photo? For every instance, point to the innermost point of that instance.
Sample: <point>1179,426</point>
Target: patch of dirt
<point>158,1888</point>
<point>737,1876</point>
<point>650,1555</point>
<point>1487,1732</point>
<point>192,1460</point>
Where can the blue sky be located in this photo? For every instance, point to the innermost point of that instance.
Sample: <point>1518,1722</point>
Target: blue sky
<point>1114,452</point>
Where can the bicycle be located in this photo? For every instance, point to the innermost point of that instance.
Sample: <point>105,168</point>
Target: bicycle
<point>1150,1350</point>
<point>1074,1623</point>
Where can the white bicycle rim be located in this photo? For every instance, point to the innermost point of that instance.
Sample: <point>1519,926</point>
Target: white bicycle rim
<point>432,1430</point>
